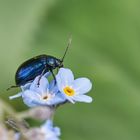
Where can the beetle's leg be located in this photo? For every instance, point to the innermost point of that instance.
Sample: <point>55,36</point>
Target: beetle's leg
<point>12,87</point>
<point>53,75</point>
<point>43,72</point>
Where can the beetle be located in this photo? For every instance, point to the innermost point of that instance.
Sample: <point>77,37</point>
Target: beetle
<point>36,66</point>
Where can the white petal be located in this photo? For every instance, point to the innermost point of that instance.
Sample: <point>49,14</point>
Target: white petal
<point>69,98</point>
<point>29,97</point>
<point>43,84</point>
<point>83,98</point>
<point>65,76</point>
<point>57,131</point>
<point>47,125</point>
<point>40,87</point>
<point>58,99</point>
<point>34,84</point>
<point>47,74</point>
<point>52,84</point>
<point>25,87</point>
<point>82,85</point>
<point>53,87</point>
<point>17,136</point>
<point>15,96</point>
<point>52,132</point>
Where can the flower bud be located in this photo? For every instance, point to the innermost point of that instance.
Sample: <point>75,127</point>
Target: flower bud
<point>41,113</point>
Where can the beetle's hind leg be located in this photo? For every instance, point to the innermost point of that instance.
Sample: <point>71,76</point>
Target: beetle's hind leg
<point>16,86</point>
<point>43,72</point>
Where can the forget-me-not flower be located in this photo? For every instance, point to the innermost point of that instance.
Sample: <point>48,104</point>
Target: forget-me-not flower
<point>45,132</point>
<point>51,133</point>
<point>44,94</point>
<point>73,90</point>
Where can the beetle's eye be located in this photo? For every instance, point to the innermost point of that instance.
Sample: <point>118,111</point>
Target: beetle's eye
<point>51,62</point>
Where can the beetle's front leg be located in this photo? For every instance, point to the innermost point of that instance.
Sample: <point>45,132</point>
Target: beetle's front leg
<point>53,75</point>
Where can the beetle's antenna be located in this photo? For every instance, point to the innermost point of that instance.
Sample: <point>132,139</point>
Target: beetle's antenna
<point>69,43</point>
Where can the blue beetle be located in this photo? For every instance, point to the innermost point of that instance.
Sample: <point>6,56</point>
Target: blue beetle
<point>36,66</point>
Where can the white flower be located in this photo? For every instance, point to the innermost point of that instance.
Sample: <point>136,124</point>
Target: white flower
<point>44,94</point>
<point>73,90</point>
<point>51,133</point>
<point>45,132</point>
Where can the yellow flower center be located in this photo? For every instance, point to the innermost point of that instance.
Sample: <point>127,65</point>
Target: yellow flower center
<point>69,91</point>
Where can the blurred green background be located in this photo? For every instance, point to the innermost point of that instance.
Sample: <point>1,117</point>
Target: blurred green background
<point>105,48</point>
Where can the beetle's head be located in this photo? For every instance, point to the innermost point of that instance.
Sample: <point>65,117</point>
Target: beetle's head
<point>59,63</point>
<point>53,62</point>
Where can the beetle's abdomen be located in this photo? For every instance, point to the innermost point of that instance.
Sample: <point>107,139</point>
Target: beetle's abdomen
<point>30,69</point>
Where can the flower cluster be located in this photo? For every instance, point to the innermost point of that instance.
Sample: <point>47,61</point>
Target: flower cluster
<point>64,88</point>
<point>44,132</point>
